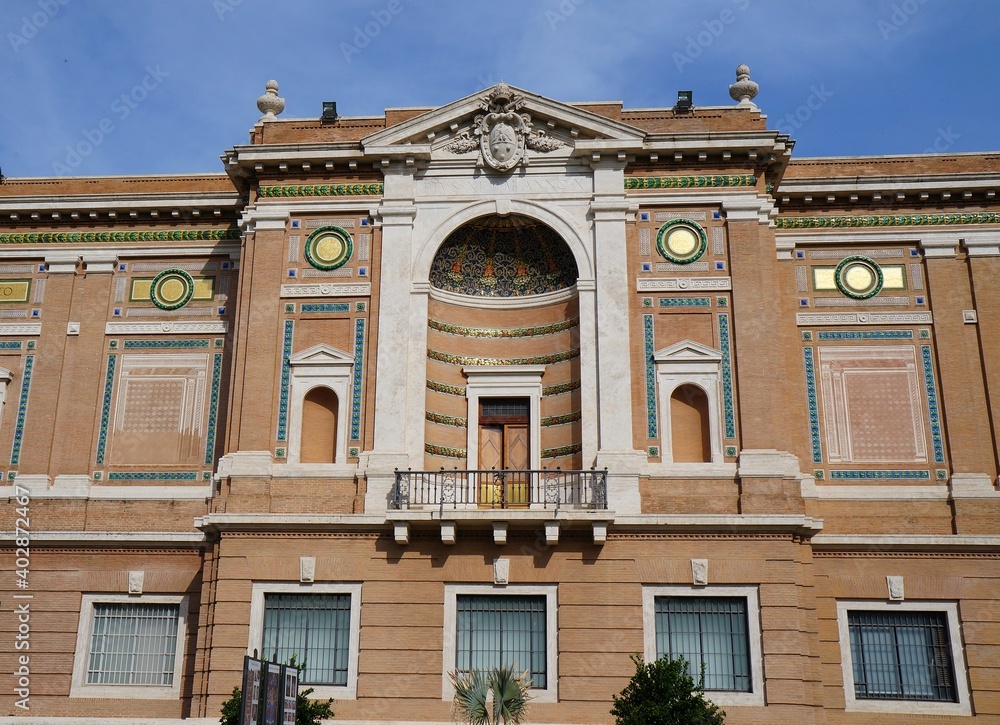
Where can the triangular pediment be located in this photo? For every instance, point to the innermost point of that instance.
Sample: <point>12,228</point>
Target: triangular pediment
<point>688,351</point>
<point>321,354</point>
<point>441,126</point>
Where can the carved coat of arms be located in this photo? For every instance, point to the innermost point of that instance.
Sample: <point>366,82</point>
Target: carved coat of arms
<point>502,133</point>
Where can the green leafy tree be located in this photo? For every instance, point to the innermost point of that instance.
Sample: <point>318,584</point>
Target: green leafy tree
<point>664,693</point>
<point>497,697</point>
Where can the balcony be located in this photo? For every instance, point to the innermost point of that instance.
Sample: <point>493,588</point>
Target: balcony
<point>500,499</point>
<point>500,489</point>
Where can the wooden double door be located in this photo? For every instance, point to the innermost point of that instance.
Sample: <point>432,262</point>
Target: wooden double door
<point>504,451</point>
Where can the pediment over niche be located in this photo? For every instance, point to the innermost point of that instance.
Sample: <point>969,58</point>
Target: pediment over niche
<point>504,127</point>
<point>321,354</point>
<point>688,351</point>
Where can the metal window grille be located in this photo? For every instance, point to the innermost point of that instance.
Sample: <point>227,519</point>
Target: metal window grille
<point>315,629</point>
<point>502,630</point>
<point>133,644</point>
<point>901,656</point>
<point>494,407</point>
<point>710,631</point>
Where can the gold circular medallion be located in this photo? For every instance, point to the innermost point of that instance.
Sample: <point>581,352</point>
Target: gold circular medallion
<point>329,248</point>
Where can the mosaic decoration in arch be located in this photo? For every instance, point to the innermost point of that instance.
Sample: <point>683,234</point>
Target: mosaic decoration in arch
<point>22,410</point>
<point>286,376</point>
<point>729,417</point>
<point>562,451</point>
<point>560,388</point>
<point>503,332</point>
<point>898,220</point>
<point>499,361</point>
<point>688,182</point>
<point>647,337</point>
<point>865,335</point>
<point>179,235</point>
<point>359,357</point>
<point>879,474</point>
<point>503,257</point>
<point>445,388</point>
<point>685,301</point>
<point>932,403</point>
<point>326,307</point>
<point>442,419</point>
<point>109,384</point>
<point>551,420</point>
<point>157,344</point>
<point>445,451</point>
<point>153,476</point>
<point>213,410</point>
<point>273,192</point>
<point>817,449</point>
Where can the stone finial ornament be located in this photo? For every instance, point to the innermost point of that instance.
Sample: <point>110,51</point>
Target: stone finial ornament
<point>743,90</point>
<point>270,104</point>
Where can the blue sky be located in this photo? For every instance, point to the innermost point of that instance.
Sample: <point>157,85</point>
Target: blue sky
<point>165,86</point>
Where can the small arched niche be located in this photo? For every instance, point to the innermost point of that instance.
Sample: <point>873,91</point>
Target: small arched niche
<point>319,426</point>
<point>318,405</point>
<point>688,379</point>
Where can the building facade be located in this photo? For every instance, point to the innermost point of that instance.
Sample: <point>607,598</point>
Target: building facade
<point>506,380</point>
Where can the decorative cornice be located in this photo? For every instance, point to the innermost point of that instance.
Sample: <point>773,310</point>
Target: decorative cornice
<point>325,290</point>
<point>173,235</point>
<point>276,192</point>
<point>897,220</point>
<point>683,283</point>
<point>688,182</point>
<point>165,328</point>
<point>445,451</point>
<point>20,328</point>
<point>865,318</point>
<point>503,361</point>
<point>443,419</point>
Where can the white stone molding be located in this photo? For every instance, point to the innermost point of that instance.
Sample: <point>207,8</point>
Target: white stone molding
<point>264,217</point>
<point>505,381</point>
<point>754,656</point>
<point>317,289</point>
<point>17,329</point>
<point>307,569</point>
<point>319,366</point>
<point>823,492</point>
<point>245,463</point>
<point>939,244</point>
<point>905,707</point>
<point>747,207</point>
<point>971,486</point>
<point>354,589</point>
<point>99,261</point>
<point>135,580</point>
<point>684,284</point>
<point>895,586</point>
<point>699,572</point>
<point>501,572</point>
<point>460,300</point>
<point>80,487</point>
<point>982,244</point>
<point>768,463</point>
<point>62,261</point>
<point>181,327</point>
<point>689,363</point>
<point>500,533</point>
<point>807,319</point>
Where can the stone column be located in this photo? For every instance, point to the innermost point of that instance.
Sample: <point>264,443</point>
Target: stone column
<point>397,359</point>
<point>614,369</point>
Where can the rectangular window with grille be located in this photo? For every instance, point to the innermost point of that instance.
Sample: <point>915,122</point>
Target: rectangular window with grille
<point>315,629</point>
<point>901,656</point>
<point>710,631</point>
<point>502,630</point>
<point>133,644</point>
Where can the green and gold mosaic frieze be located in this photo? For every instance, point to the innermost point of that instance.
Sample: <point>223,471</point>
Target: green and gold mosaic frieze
<point>893,220</point>
<point>278,192</point>
<point>562,451</point>
<point>442,419</point>
<point>499,361</point>
<point>689,182</point>
<point>502,332</point>
<point>173,235</point>
<point>561,388</point>
<point>551,420</point>
<point>445,388</point>
<point>445,451</point>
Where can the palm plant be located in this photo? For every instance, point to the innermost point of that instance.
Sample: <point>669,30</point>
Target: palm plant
<point>497,697</point>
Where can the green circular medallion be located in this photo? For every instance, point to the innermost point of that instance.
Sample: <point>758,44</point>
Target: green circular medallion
<point>859,277</point>
<point>681,241</point>
<point>171,288</point>
<point>329,248</point>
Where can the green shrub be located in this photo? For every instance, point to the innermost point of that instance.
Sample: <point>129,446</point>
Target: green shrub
<point>664,693</point>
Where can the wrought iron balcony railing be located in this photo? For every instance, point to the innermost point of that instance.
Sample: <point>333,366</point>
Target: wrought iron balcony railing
<point>501,489</point>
